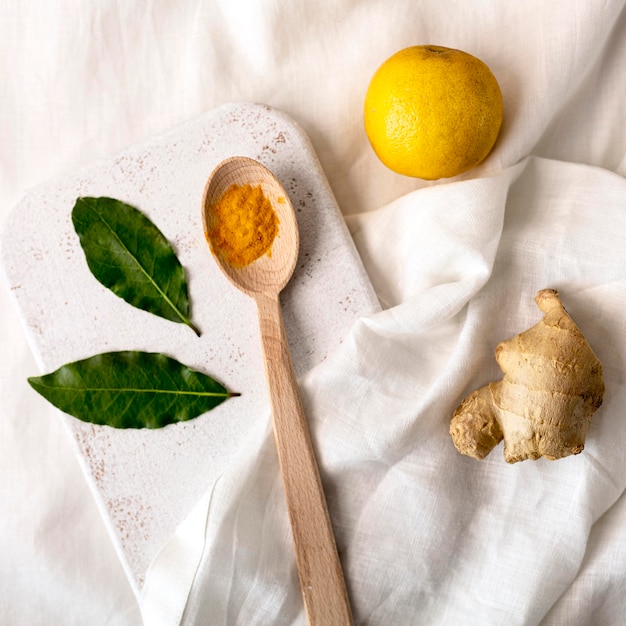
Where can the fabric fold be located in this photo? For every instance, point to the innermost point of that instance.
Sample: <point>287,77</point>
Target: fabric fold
<point>422,531</point>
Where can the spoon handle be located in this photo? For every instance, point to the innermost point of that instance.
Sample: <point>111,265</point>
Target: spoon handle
<point>321,578</point>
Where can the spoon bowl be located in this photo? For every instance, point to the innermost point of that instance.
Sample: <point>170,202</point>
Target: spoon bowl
<point>270,272</point>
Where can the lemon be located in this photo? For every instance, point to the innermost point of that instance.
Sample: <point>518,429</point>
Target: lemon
<point>432,112</point>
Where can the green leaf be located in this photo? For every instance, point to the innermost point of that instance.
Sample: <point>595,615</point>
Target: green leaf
<point>128,254</point>
<point>130,389</point>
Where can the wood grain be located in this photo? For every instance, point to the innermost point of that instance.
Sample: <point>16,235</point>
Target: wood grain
<point>321,577</point>
<point>319,568</point>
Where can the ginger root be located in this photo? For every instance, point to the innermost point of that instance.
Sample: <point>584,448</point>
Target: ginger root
<point>551,387</point>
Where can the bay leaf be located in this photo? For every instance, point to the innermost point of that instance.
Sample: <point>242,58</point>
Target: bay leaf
<point>130,256</point>
<point>130,389</point>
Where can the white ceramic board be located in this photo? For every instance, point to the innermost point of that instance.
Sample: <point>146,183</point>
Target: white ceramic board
<point>146,481</point>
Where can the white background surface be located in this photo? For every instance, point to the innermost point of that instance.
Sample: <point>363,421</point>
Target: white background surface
<point>82,81</point>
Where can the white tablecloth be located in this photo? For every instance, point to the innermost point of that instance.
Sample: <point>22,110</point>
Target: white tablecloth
<point>426,536</point>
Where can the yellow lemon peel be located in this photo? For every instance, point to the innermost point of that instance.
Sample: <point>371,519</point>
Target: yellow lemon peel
<point>432,112</point>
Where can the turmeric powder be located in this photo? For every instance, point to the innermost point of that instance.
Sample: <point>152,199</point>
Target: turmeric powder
<point>244,226</point>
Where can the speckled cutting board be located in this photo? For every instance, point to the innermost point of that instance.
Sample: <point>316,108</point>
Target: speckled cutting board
<point>146,481</point>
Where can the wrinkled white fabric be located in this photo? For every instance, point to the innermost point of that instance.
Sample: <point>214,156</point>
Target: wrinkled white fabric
<point>426,536</point>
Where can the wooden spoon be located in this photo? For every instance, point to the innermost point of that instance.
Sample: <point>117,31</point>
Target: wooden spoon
<point>321,578</point>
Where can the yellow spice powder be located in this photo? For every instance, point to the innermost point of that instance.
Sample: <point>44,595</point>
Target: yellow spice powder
<point>245,225</point>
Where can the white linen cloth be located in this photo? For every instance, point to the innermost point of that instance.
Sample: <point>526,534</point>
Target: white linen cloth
<point>426,536</point>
